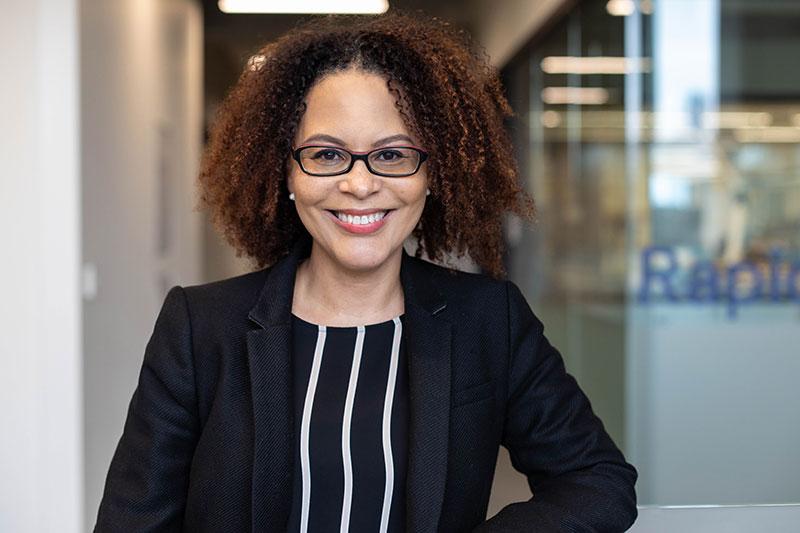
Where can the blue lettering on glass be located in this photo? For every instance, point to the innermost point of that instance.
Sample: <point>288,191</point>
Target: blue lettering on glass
<point>742,283</point>
<point>735,298</point>
<point>650,274</point>
<point>704,280</point>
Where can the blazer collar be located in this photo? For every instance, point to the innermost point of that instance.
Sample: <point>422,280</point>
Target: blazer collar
<point>274,305</point>
<point>428,338</point>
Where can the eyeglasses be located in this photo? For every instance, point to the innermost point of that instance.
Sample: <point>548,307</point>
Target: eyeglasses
<point>393,161</point>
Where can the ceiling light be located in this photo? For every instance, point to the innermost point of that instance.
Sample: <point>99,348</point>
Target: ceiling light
<point>550,119</point>
<point>594,65</point>
<point>575,95</point>
<point>623,8</point>
<point>620,8</point>
<point>303,6</point>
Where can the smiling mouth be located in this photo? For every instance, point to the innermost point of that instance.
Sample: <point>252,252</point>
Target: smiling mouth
<point>362,219</point>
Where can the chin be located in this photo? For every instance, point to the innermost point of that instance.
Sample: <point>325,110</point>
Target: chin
<point>362,256</point>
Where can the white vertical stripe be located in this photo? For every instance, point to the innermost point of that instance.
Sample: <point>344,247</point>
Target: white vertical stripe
<point>348,414</point>
<point>387,426</point>
<point>304,429</point>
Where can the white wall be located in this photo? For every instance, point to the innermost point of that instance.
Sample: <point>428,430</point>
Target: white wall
<point>141,109</point>
<point>40,321</point>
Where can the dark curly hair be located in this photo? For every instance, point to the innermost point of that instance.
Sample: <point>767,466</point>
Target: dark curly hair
<point>457,111</point>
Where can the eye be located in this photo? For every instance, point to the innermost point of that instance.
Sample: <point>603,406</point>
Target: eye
<point>327,154</point>
<point>390,156</point>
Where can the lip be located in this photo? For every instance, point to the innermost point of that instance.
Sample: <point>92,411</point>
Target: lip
<point>360,228</point>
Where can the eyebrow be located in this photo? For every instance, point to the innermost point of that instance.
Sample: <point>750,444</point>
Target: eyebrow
<point>336,140</point>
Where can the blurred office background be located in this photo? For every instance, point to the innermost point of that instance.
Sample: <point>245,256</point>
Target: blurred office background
<point>660,139</point>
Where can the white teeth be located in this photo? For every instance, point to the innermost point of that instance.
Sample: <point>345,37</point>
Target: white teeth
<point>358,220</point>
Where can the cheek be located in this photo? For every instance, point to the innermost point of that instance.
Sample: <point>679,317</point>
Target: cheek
<point>307,191</point>
<point>420,199</point>
<point>414,199</point>
<point>414,193</point>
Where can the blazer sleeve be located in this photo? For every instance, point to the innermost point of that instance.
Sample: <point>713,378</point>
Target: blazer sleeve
<point>579,478</point>
<point>147,482</point>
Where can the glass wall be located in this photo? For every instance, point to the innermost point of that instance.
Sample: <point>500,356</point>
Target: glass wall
<point>661,141</point>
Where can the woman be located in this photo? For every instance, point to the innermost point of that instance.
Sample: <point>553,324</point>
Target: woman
<point>348,385</point>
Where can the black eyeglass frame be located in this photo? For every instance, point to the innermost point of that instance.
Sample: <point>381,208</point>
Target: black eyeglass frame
<point>355,156</point>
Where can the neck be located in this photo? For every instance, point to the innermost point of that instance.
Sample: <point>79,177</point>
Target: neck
<point>327,293</point>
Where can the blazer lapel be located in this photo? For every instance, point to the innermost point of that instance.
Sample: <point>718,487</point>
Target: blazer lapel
<point>428,338</point>
<point>428,341</point>
<point>270,363</point>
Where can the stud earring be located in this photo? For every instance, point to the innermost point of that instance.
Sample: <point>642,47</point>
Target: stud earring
<point>427,192</point>
<point>291,196</point>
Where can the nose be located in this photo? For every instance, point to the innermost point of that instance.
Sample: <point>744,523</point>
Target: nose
<point>360,181</point>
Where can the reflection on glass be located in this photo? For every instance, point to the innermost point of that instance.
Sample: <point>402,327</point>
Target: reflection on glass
<point>662,144</point>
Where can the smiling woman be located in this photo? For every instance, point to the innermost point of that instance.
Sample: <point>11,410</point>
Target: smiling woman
<point>350,82</point>
<point>339,209</point>
<point>348,385</point>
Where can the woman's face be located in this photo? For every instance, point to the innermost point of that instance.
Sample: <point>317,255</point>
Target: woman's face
<point>353,109</point>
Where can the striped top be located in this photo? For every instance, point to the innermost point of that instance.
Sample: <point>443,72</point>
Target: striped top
<point>351,413</point>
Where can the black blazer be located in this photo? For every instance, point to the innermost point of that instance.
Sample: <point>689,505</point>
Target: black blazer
<point>207,444</point>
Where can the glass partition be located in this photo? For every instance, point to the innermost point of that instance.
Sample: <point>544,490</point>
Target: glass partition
<point>661,141</point>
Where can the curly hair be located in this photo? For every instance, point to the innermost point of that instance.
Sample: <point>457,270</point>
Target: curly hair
<point>457,111</point>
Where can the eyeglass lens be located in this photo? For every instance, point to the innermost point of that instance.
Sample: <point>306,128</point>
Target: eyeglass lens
<point>393,161</point>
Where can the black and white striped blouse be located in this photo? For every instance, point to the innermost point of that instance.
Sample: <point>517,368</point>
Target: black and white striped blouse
<point>351,438</point>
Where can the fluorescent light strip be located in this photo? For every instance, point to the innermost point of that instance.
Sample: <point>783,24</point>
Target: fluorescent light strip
<point>594,65</point>
<point>623,8</point>
<point>739,121</point>
<point>735,119</point>
<point>304,6</point>
<point>575,95</point>
<point>620,8</point>
<point>775,134</point>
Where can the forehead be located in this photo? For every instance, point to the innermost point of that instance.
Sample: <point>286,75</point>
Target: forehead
<point>353,105</point>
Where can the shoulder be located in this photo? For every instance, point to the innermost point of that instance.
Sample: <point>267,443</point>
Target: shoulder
<point>462,288</point>
<point>477,298</point>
